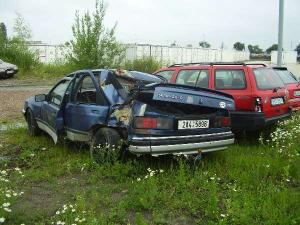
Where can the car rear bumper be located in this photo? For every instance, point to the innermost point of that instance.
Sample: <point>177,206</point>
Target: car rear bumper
<point>188,144</point>
<point>251,121</point>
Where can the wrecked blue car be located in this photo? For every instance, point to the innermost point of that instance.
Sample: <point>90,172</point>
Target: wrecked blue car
<point>150,116</point>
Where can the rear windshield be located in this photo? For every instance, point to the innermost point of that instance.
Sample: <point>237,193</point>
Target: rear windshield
<point>286,77</point>
<point>195,78</point>
<point>267,79</point>
<point>167,74</point>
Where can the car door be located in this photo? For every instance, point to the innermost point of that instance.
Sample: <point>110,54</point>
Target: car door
<point>87,107</point>
<point>52,110</point>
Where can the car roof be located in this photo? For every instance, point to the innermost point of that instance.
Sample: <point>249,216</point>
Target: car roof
<point>136,75</point>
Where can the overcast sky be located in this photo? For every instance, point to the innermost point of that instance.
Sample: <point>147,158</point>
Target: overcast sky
<point>164,21</point>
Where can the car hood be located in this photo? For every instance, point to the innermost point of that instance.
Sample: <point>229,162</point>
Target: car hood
<point>5,65</point>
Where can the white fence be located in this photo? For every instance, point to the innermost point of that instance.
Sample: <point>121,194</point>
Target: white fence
<point>175,54</point>
<point>288,57</point>
<point>165,54</point>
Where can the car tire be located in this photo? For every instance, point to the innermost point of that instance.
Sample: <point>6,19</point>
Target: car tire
<point>105,146</point>
<point>33,128</point>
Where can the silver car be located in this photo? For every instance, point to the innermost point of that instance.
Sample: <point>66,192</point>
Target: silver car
<point>7,70</point>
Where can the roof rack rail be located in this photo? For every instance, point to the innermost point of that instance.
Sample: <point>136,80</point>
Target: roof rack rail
<point>216,63</point>
<point>207,63</point>
<point>254,64</point>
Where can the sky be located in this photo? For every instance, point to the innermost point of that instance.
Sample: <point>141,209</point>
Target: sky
<point>164,21</point>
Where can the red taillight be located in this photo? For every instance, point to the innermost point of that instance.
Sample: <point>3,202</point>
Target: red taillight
<point>153,123</point>
<point>145,123</point>
<point>226,122</point>
<point>149,123</point>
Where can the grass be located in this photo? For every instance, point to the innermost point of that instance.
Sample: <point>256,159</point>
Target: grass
<point>242,185</point>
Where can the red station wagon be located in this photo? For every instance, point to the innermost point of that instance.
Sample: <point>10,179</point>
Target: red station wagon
<point>292,85</point>
<point>259,93</point>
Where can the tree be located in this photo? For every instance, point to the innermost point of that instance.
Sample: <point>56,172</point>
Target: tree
<point>93,46</point>
<point>298,49</point>
<point>15,49</point>
<point>204,44</point>
<point>22,30</point>
<point>239,46</point>
<point>3,32</point>
<point>274,47</point>
<point>255,49</point>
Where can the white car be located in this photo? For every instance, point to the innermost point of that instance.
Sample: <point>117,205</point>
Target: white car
<point>7,70</point>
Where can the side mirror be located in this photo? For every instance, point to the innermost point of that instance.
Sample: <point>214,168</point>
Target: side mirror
<point>40,98</point>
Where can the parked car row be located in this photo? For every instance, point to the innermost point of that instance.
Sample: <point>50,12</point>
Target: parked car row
<point>181,109</point>
<point>153,117</point>
<point>263,95</point>
<point>7,70</point>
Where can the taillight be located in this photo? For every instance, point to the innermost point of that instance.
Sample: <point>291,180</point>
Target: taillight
<point>226,122</point>
<point>223,122</point>
<point>153,123</point>
<point>258,106</point>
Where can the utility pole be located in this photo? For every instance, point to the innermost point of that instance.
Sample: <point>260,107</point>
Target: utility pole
<point>280,32</point>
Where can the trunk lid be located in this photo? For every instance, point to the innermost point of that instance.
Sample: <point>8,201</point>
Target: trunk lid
<point>181,94</point>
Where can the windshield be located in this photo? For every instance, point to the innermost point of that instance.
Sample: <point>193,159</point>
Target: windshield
<point>286,77</point>
<point>267,79</point>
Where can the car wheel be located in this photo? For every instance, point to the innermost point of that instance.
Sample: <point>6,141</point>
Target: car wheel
<point>33,128</point>
<point>105,146</point>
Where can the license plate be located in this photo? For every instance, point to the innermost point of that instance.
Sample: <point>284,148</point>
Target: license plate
<point>297,93</point>
<point>277,101</point>
<point>192,124</point>
<point>9,71</point>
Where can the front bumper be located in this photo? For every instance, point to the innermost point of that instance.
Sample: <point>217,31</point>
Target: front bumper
<point>188,144</point>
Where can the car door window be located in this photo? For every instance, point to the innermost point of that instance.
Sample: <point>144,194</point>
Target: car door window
<point>86,92</point>
<point>230,79</point>
<point>167,74</point>
<point>57,94</point>
<point>195,78</point>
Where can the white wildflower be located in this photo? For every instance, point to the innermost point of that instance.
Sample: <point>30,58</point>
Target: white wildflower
<point>6,204</point>
<point>7,209</point>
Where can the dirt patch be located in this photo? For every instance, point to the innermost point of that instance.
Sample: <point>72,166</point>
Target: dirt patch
<point>12,101</point>
<point>43,199</point>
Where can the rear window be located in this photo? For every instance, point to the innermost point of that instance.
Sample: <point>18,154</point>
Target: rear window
<point>267,79</point>
<point>195,78</point>
<point>167,74</point>
<point>286,77</point>
<point>230,79</point>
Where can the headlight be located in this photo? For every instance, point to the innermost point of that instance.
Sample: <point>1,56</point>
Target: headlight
<point>2,70</point>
